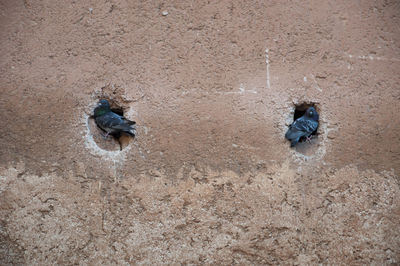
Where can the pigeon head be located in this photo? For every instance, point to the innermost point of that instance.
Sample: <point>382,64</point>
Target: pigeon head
<point>101,108</point>
<point>312,113</point>
<point>104,103</point>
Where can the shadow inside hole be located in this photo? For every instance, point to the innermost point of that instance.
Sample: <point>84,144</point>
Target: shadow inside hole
<point>122,139</point>
<point>118,111</point>
<point>299,111</point>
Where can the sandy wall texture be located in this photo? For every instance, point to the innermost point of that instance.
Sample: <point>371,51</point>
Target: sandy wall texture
<point>209,179</point>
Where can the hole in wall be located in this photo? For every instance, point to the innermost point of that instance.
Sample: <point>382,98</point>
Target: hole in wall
<point>307,147</point>
<point>299,111</point>
<point>115,142</point>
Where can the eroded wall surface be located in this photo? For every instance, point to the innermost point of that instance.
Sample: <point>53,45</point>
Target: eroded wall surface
<point>209,177</point>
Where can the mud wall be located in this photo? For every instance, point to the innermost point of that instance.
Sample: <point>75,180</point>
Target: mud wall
<point>210,178</point>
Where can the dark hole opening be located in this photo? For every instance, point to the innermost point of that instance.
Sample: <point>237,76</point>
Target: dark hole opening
<point>118,111</point>
<point>300,110</point>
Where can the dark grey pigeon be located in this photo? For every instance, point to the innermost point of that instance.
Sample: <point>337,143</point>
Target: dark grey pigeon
<point>303,126</point>
<point>112,123</point>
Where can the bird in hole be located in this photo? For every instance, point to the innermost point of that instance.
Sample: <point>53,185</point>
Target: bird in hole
<point>112,123</point>
<point>303,127</point>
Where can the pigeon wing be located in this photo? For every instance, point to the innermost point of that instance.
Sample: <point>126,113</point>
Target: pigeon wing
<point>119,124</point>
<point>116,124</point>
<point>109,120</point>
<point>294,133</point>
<point>308,125</point>
<point>295,130</point>
<point>301,127</point>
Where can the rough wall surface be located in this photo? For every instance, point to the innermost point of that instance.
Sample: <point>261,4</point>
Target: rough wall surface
<point>209,178</point>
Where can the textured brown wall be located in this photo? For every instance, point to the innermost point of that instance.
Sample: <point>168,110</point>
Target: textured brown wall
<point>210,177</point>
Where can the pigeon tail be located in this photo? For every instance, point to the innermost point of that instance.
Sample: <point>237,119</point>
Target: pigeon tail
<point>128,129</point>
<point>131,131</point>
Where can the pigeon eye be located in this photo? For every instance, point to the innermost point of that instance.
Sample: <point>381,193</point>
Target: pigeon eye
<point>311,113</point>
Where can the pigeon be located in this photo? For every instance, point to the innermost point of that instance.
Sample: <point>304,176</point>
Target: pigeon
<point>112,123</point>
<point>303,126</point>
